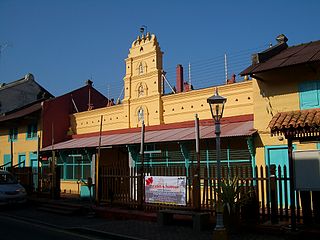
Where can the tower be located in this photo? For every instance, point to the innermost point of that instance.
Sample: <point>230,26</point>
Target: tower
<point>143,82</point>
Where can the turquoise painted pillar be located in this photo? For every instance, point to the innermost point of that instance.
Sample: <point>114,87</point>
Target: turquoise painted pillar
<point>186,156</point>
<point>252,151</point>
<point>134,155</point>
<point>207,159</point>
<point>167,157</point>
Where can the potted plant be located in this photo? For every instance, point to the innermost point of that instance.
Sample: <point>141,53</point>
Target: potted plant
<point>250,208</point>
<point>231,198</point>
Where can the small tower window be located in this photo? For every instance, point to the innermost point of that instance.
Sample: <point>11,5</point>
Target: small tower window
<point>140,68</point>
<point>140,90</point>
<point>140,114</point>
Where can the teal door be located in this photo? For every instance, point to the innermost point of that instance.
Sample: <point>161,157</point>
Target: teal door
<point>22,160</point>
<point>278,155</point>
<point>7,160</point>
<point>34,166</point>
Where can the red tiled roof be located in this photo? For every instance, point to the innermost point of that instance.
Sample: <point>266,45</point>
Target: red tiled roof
<point>308,52</point>
<point>228,129</point>
<point>300,122</point>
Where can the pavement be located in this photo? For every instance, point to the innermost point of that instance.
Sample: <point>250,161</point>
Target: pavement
<point>130,228</point>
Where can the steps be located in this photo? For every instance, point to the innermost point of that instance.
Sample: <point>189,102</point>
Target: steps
<point>63,208</point>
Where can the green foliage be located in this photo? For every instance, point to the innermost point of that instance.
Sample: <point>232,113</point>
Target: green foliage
<point>230,194</point>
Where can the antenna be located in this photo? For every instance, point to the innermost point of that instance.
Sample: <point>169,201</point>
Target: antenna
<point>189,73</point>
<point>108,91</point>
<point>226,66</point>
<point>118,100</point>
<point>3,47</point>
<point>166,80</point>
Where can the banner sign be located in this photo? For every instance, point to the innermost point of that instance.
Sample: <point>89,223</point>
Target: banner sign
<point>166,190</point>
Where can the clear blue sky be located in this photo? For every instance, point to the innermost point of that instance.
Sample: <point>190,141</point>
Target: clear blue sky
<point>65,42</point>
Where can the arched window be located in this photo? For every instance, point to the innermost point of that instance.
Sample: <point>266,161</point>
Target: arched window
<point>140,68</point>
<point>140,114</point>
<point>140,90</point>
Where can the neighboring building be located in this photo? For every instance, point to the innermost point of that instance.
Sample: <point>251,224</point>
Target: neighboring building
<point>20,93</point>
<point>286,96</point>
<point>56,112</point>
<point>56,116</point>
<point>29,124</point>
<point>169,121</point>
<point>20,125</point>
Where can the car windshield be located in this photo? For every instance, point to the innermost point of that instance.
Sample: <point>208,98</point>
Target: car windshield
<point>7,178</point>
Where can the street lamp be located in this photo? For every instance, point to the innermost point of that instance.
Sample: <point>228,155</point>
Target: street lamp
<point>216,103</point>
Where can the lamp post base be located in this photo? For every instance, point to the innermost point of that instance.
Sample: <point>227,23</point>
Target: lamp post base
<point>220,234</point>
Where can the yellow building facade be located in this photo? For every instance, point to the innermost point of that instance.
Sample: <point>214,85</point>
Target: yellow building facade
<point>285,79</point>
<point>20,143</point>
<point>144,96</point>
<point>144,99</point>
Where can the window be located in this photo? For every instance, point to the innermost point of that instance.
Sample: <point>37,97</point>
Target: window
<point>140,114</point>
<point>140,68</point>
<point>309,94</point>
<point>74,167</point>
<point>140,90</point>
<point>32,131</point>
<point>13,134</point>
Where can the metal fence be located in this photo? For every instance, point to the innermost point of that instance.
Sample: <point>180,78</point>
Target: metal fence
<point>269,187</point>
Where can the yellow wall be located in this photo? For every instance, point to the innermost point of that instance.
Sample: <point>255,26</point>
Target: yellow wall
<point>114,117</point>
<point>70,187</point>
<point>277,91</point>
<point>177,107</point>
<point>20,146</point>
<point>144,90</point>
<point>183,106</point>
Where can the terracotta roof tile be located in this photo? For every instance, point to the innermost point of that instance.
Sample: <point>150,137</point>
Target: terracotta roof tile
<point>296,122</point>
<point>317,118</point>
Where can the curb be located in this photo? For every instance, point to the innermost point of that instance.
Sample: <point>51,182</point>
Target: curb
<point>15,217</point>
<point>98,233</point>
<point>84,230</point>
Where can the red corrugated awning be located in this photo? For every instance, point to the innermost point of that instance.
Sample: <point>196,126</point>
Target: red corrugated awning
<point>233,129</point>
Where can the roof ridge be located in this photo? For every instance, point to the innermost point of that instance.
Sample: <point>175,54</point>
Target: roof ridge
<point>306,44</point>
<point>14,83</point>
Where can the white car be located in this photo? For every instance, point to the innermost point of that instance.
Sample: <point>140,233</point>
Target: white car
<point>11,192</point>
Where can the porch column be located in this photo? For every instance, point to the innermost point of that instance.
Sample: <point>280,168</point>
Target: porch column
<point>133,156</point>
<point>133,163</point>
<point>252,151</point>
<point>292,193</point>
<point>186,156</point>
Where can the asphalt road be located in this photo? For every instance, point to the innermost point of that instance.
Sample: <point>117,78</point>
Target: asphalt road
<point>15,229</point>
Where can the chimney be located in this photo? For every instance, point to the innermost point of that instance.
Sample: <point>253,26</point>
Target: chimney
<point>271,51</point>
<point>232,79</point>
<point>179,79</point>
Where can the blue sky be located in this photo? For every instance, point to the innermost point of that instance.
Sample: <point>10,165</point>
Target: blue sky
<point>65,42</point>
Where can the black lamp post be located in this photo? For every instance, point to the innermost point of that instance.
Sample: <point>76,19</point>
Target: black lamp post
<point>216,103</point>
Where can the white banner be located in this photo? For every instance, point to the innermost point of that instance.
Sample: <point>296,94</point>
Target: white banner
<point>167,190</point>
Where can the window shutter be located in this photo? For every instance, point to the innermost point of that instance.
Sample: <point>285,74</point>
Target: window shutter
<point>309,95</point>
